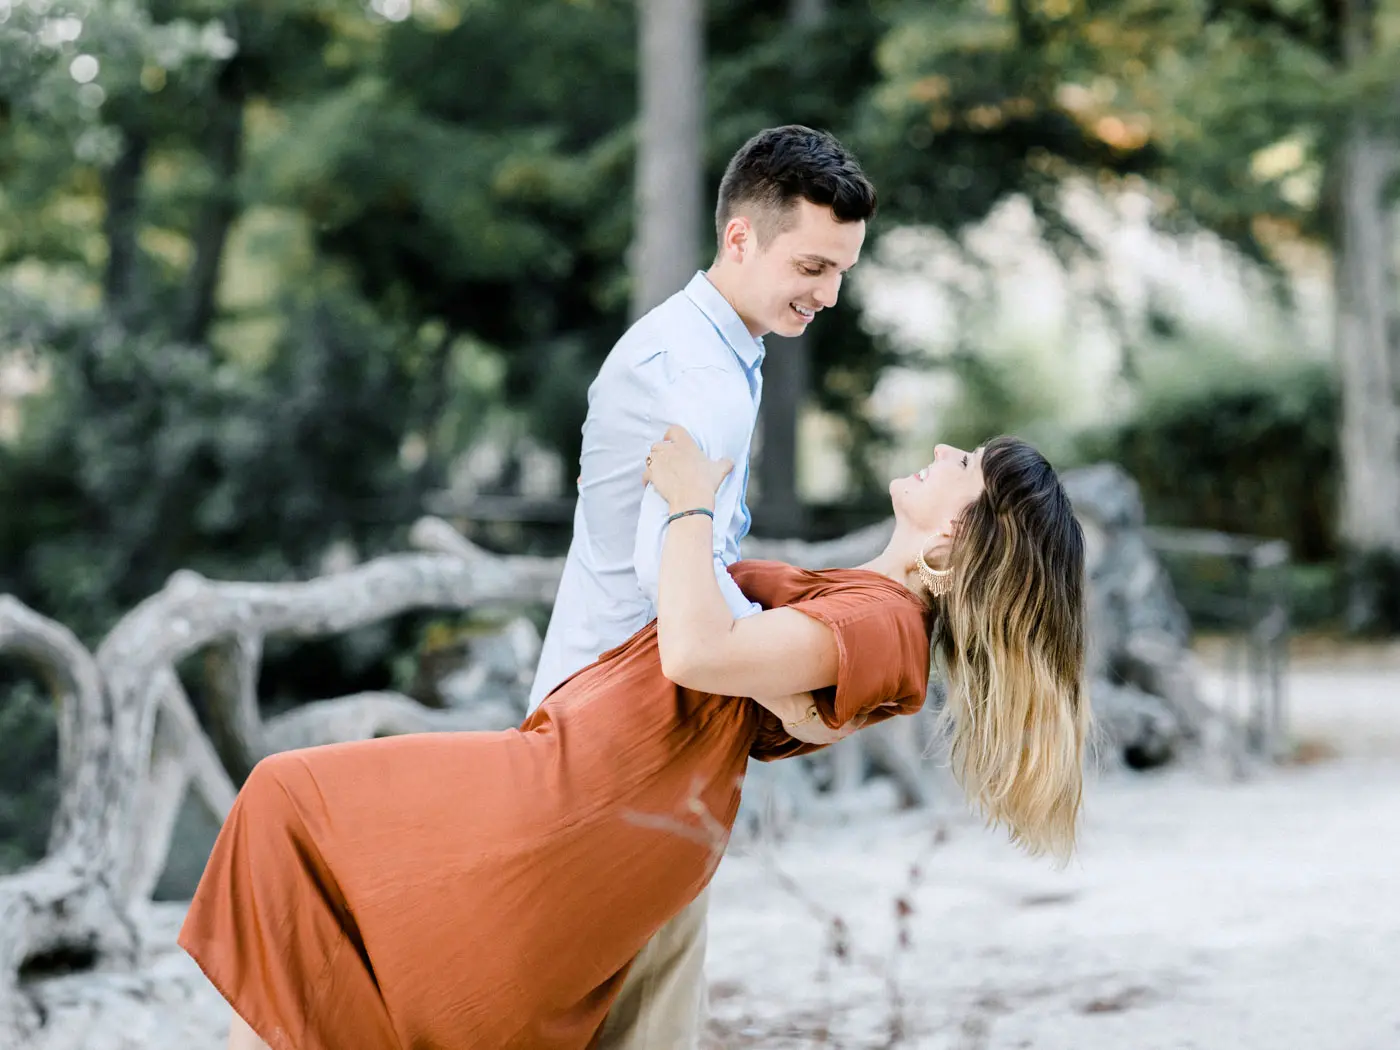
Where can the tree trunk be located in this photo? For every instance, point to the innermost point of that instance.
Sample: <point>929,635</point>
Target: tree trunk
<point>122,187</point>
<point>670,140</point>
<point>223,153</point>
<point>1368,358</point>
<point>779,511</point>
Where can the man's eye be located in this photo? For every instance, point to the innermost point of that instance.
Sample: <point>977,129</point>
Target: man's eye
<point>965,460</point>
<point>808,271</point>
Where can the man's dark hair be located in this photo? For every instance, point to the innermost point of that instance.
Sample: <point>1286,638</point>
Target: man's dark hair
<point>779,166</point>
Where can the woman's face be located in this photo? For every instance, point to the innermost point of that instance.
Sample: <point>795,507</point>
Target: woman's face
<point>931,499</point>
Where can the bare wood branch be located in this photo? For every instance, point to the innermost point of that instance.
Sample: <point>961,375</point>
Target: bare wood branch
<point>132,778</point>
<point>59,904</point>
<point>63,902</point>
<point>192,613</point>
<point>431,533</point>
<point>231,702</point>
<point>540,576</point>
<point>1156,665</point>
<point>162,794</point>
<point>72,676</point>
<point>207,776</point>
<point>537,578</point>
<point>842,553</point>
<point>893,749</point>
<point>181,758</point>
<point>364,716</point>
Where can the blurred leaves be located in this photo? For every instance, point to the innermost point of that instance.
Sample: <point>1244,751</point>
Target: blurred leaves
<point>1240,447</point>
<point>147,455</point>
<point>28,771</point>
<point>457,182</point>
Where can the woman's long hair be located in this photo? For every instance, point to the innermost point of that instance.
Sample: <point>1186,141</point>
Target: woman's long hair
<point>1009,639</point>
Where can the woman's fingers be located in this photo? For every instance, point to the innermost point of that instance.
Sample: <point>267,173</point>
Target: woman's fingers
<point>678,451</point>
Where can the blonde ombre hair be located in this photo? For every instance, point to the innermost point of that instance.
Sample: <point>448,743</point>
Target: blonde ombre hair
<point>1009,639</point>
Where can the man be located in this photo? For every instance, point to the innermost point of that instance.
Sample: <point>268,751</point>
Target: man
<point>790,221</point>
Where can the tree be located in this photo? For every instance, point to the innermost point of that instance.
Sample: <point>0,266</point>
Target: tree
<point>1368,328</point>
<point>787,387</point>
<point>1288,125</point>
<point>670,136</point>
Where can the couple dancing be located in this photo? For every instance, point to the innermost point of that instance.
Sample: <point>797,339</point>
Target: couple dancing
<point>545,887</point>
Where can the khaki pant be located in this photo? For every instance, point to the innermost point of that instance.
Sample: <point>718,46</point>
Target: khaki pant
<point>663,1003</point>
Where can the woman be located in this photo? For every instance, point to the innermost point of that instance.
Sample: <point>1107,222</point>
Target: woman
<point>490,889</point>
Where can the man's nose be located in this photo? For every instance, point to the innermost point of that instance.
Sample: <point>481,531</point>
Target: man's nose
<point>828,291</point>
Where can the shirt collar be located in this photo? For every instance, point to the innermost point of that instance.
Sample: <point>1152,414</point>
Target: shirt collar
<point>727,322</point>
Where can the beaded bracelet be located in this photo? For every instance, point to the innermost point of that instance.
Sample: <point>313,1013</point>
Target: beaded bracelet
<point>686,513</point>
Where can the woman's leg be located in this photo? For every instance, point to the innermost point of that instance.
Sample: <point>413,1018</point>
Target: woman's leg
<point>241,1037</point>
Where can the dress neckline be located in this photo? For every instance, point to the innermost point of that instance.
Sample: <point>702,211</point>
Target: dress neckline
<point>905,591</point>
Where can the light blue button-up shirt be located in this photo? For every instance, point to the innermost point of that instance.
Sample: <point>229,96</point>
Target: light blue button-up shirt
<point>690,361</point>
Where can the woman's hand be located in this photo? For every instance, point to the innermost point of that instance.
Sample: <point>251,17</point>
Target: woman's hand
<point>685,476</point>
<point>797,712</point>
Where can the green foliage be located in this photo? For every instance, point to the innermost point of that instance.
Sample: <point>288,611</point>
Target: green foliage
<point>28,771</point>
<point>1370,581</point>
<point>147,456</point>
<point>1217,443</point>
<point>475,175</point>
<point>1314,596</point>
<point>968,111</point>
<point>1008,390</point>
<point>469,168</point>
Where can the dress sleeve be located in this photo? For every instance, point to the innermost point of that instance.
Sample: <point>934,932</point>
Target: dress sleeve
<point>882,646</point>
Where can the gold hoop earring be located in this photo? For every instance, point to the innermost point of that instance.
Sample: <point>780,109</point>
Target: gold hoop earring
<point>938,582</point>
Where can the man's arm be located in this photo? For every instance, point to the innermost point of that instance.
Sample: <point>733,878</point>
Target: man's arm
<point>695,399</point>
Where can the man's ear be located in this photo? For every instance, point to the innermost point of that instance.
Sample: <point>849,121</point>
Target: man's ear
<point>738,239</point>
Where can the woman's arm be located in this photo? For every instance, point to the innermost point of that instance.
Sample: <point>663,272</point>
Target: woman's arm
<point>798,714</point>
<point>775,653</point>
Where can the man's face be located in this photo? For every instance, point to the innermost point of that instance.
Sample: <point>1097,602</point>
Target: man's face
<point>798,272</point>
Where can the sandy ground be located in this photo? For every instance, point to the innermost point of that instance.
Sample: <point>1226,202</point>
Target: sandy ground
<point>1200,914</point>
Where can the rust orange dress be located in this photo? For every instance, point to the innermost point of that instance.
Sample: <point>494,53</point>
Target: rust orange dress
<point>488,891</point>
